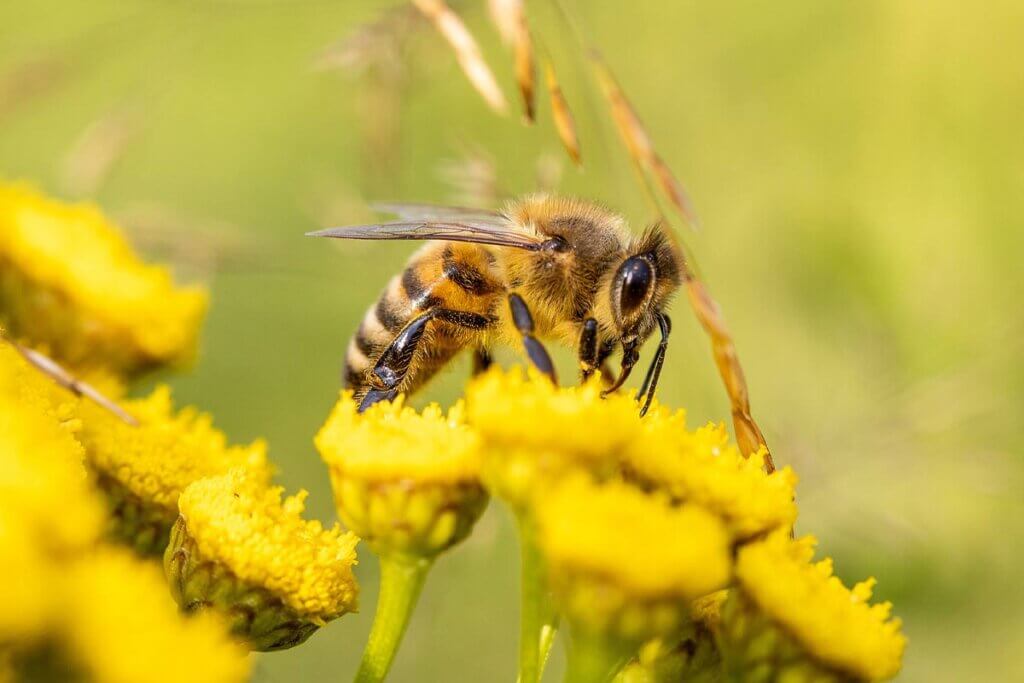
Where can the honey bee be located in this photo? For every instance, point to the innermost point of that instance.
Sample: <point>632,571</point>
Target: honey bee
<point>544,267</point>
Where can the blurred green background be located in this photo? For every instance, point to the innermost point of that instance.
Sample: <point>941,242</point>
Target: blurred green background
<point>858,166</point>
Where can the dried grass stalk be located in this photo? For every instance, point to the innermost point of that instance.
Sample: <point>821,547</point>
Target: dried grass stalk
<point>638,141</point>
<point>58,374</point>
<point>526,70</point>
<point>673,189</point>
<point>98,149</point>
<point>565,124</point>
<point>505,15</point>
<point>748,435</point>
<point>466,51</point>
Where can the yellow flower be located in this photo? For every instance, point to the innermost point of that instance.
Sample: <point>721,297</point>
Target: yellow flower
<point>143,469</point>
<point>43,483</point>
<point>623,561</point>
<point>393,441</point>
<point>270,567</point>
<point>70,282</point>
<point>121,627</point>
<point>703,467</point>
<point>28,603</point>
<point>834,628</point>
<point>535,432</point>
<point>513,407</point>
<point>406,482</point>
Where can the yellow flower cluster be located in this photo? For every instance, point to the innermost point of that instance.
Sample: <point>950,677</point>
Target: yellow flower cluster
<point>27,602</point>
<point>836,625</point>
<point>121,627</point>
<point>71,283</point>
<point>393,441</point>
<point>43,483</point>
<point>639,542</point>
<point>703,467</point>
<point>76,606</point>
<point>629,512</point>
<point>236,520</point>
<point>167,451</point>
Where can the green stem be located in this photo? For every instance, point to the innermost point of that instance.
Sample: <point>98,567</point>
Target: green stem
<point>537,619</point>
<point>595,659</point>
<point>401,579</point>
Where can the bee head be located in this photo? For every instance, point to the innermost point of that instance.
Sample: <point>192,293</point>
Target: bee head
<point>643,283</point>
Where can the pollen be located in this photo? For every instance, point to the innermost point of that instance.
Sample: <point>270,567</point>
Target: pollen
<point>70,281</point>
<point>836,625</point>
<point>238,521</point>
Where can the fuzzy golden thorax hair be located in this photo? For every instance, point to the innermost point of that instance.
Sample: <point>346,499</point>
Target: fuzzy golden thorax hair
<point>584,242</point>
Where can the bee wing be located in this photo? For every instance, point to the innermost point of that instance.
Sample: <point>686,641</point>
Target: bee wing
<point>498,231</point>
<point>431,212</point>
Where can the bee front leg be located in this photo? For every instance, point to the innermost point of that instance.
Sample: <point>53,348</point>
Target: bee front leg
<point>536,352</point>
<point>588,349</point>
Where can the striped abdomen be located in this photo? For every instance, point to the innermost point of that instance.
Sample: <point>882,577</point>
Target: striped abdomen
<point>458,283</point>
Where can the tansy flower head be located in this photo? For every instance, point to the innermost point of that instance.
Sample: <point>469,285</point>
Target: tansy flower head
<point>624,562</point>
<point>118,625</point>
<point>406,482</point>
<point>703,467</point>
<point>28,602</point>
<point>143,469</point>
<point>238,546</point>
<point>70,282</point>
<point>535,432</point>
<point>43,483</point>
<point>792,615</point>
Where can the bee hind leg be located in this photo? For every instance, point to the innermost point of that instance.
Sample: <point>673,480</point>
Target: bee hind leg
<point>536,352</point>
<point>394,362</point>
<point>376,396</point>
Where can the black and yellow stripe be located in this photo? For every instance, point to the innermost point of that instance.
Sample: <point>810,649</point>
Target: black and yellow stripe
<point>458,281</point>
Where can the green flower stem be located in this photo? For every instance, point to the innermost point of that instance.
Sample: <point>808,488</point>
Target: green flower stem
<point>538,621</point>
<point>596,659</point>
<point>401,580</point>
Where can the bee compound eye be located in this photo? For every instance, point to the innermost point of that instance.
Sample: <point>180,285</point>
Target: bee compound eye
<point>636,276</point>
<point>556,244</point>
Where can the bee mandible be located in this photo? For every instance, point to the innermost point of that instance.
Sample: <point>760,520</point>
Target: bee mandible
<point>542,268</point>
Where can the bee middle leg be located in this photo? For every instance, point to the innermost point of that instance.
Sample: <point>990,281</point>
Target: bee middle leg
<point>536,352</point>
